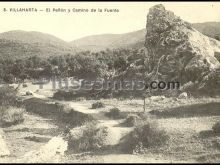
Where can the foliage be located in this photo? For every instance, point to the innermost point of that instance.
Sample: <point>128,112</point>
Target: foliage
<point>7,96</point>
<point>11,115</point>
<point>62,94</point>
<point>89,137</point>
<point>144,136</point>
<point>131,120</point>
<point>85,65</point>
<point>98,105</point>
<point>216,127</point>
<point>114,113</point>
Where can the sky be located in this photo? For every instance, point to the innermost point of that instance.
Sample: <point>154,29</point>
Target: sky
<point>74,25</point>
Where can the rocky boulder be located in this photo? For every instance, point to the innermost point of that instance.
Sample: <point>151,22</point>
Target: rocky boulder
<point>183,95</point>
<point>176,50</point>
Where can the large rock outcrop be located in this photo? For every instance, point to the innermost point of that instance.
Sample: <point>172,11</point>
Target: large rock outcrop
<point>176,50</point>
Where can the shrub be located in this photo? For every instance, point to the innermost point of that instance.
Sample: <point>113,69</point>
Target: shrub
<point>7,96</point>
<point>70,94</point>
<point>60,107</point>
<point>11,116</point>
<point>89,137</point>
<point>114,113</point>
<point>144,136</point>
<point>64,95</point>
<point>216,127</point>
<point>98,105</point>
<point>24,85</point>
<point>131,120</point>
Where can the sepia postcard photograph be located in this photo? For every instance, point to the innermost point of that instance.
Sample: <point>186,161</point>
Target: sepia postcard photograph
<point>109,82</point>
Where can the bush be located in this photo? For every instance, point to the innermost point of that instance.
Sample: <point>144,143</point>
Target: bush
<point>7,96</point>
<point>216,127</point>
<point>114,113</point>
<point>64,95</point>
<point>144,136</point>
<point>89,137</point>
<point>98,105</point>
<point>131,120</point>
<point>71,94</point>
<point>11,116</point>
<point>24,85</point>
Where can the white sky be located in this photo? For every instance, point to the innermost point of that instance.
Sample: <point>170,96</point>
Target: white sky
<point>70,26</point>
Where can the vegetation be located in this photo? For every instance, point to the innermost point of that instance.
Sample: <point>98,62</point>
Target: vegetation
<point>216,127</point>
<point>116,65</point>
<point>11,115</point>
<point>7,96</point>
<point>114,113</point>
<point>131,120</point>
<point>98,105</point>
<point>82,65</point>
<point>9,112</point>
<point>145,135</point>
<point>90,137</point>
<point>62,94</point>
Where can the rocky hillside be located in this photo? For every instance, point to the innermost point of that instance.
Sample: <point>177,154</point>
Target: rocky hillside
<point>23,44</point>
<point>177,51</point>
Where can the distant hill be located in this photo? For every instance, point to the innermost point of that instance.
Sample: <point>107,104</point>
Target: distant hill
<point>104,41</point>
<point>21,44</point>
<point>134,39</point>
<point>95,42</point>
<point>210,29</point>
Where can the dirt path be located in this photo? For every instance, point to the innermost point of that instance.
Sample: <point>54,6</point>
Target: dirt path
<point>99,115</point>
<point>119,132</point>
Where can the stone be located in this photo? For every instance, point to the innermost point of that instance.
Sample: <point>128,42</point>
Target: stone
<point>157,98</point>
<point>28,93</point>
<point>176,50</point>
<point>183,95</point>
